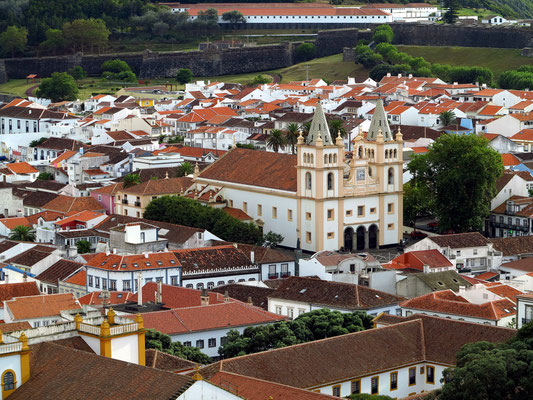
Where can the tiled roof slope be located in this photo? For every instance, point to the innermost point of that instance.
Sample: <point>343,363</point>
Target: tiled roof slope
<point>259,295</point>
<point>69,204</point>
<point>511,246</point>
<point>58,271</point>
<point>95,298</point>
<point>14,326</point>
<point>336,294</point>
<point>160,186</point>
<point>255,168</point>
<point>176,296</point>
<point>167,362</point>
<point>42,305</point>
<point>362,353</point>
<point>86,376</point>
<point>30,257</point>
<point>208,258</point>
<point>460,240</point>
<point>9,291</point>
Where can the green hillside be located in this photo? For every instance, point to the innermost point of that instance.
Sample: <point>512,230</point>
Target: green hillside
<point>507,8</point>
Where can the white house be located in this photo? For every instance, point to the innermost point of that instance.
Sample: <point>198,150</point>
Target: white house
<point>524,314</point>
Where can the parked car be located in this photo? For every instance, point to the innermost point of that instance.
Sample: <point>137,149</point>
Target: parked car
<point>418,235</point>
<point>433,225</point>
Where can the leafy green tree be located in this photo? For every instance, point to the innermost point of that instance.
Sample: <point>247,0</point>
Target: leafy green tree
<point>416,202</point>
<point>13,40</point>
<point>452,13</point>
<point>131,180</point>
<point>45,176</point>
<point>259,80</point>
<point>37,142</point>
<point>383,34</point>
<point>55,41</point>
<point>459,173</point>
<point>186,168</point>
<point>117,70</point>
<point>273,239</point>
<point>336,126</point>
<point>234,17</point>
<point>276,140</point>
<point>209,16</point>
<point>291,136</point>
<point>184,76</point>
<point>447,118</point>
<point>59,87</point>
<point>305,128</point>
<point>83,34</point>
<point>160,341</point>
<point>22,233</point>
<point>83,247</point>
<point>184,211</point>
<point>305,52</point>
<point>77,72</point>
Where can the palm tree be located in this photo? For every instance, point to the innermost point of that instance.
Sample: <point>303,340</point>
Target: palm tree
<point>336,126</point>
<point>291,135</point>
<point>276,140</point>
<point>131,180</point>
<point>305,127</point>
<point>22,233</point>
<point>185,169</point>
<point>447,118</point>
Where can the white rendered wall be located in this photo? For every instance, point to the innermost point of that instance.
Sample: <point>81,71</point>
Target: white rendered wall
<point>125,348</point>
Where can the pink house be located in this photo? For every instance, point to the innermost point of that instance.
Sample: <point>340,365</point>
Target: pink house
<point>106,196</point>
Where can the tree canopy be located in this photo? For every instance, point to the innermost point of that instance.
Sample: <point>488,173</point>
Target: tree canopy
<point>184,76</point>
<point>83,246</point>
<point>59,87</point>
<point>383,34</point>
<point>160,341</point>
<point>188,212</point>
<point>22,233</point>
<point>131,180</point>
<point>13,40</point>
<point>277,140</point>
<point>235,17</point>
<point>459,174</point>
<point>84,34</point>
<point>77,72</point>
<point>117,70</point>
<point>452,13</point>
<point>318,324</point>
<point>305,51</point>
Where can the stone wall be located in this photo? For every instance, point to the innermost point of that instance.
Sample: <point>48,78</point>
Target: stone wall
<point>333,42</point>
<point>3,73</point>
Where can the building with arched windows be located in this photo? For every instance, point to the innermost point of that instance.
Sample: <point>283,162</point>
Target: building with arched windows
<point>317,199</point>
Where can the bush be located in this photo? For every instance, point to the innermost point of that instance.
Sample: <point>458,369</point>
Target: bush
<point>117,70</point>
<point>383,34</point>
<point>305,51</point>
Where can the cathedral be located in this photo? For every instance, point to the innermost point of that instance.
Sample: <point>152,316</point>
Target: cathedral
<point>317,199</point>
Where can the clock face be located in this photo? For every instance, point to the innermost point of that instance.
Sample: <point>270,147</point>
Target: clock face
<point>360,174</point>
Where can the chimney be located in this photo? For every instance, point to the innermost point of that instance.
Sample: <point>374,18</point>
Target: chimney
<point>226,296</point>
<point>114,251</point>
<point>145,255</point>
<point>204,297</point>
<point>388,75</point>
<point>252,256</point>
<point>160,291</point>
<point>462,290</point>
<point>107,253</point>
<point>139,289</point>
<point>410,76</point>
<point>399,75</point>
<point>249,301</point>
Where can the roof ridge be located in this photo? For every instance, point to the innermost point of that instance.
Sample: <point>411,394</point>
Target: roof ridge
<point>179,319</point>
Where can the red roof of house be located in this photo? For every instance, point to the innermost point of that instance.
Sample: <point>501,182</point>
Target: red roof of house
<point>41,305</point>
<point>177,296</point>
<point>22,168</point>
<point>509,159</point>
<point>524,134</point>
<point>9,291</point>
<point>79,278</point>
<point>11,223</point>
<point>417,260</point>
<point>136,262</point>
<point>95,298</point>
<point>84,216</point>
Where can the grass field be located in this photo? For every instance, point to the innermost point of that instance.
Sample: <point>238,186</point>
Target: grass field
<point>498,60</point>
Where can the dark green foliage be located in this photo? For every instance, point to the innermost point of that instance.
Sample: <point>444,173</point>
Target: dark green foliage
<point>246,146</point>
<point>22,233</point>
<point>459,174</point>
<point>305,52</point>
<point>235,17</point>
<point>131,180</point>
<point>60,87</point>
<point>519,79</point>
<point>13,40</point>
<point>77,72</point>
<point>365,55</point>
<point>416,202</point>
<point>84,34</point>
<point>259,80</point>
<point>273,239</point>
<point>184,76</point>
<point>37,142</point>
<point>314,325</point>
<point>452,6</point>
<point>492,371</point>
<point>184,211</point>
<point>277,140</point>
<point>117,70</point>
<point>45,176</point>
<point>209,16</point>
<point>83,247</point>
<point>55,41</point>
<point>383,34</point>
<point>186,168</point>
<point>160,341</point>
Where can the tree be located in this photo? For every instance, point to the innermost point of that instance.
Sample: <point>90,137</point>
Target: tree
<point>184,76</point>
<point>415,202</point>
<point>305,128</point>
<point>383,34</point>
<point>131,180</point>
<point>234,17</point>
<point>291,136</point>
<point>22,233</point>
<point>209,16</point>
<point>13,40</point>
<point>273,239</point>
<point>305,51</point>
<point>37,142</point>
<point>452,13</point>
<point>77,72</point>
<point>60,87</point>
<point>336,126</point>
<point>259,80</point>
<point>447,118</point>
<point>160,341</point>
<point>276,140</point>
<point>185,169</point>
<point>54,40</point>
<point>459,173</point>
<point>45,176</point>
<point>83,247</point>
<point>117,70</point>
<point>82,34</point>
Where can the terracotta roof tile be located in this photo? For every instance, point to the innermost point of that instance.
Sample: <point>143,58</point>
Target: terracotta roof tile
<point>176,296</point>
<point>211,258</point>
<point>58,271</point>
<point>68,204</point>
<point>41,306</point>
<point>460,240</point>
<point>13,222</point>
<point>78,278</point>
<point>136,262</point>
<point>115,298</point>
<point>167,362</point>
<point>9,291</point>
<point>160,186</point>
<point>22,168</point>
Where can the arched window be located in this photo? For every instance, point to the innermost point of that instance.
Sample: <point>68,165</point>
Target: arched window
<point>8,381</point>
<point>391,176</point>
<point>335,158</point>
<point>369,171</point>
<point>373,154</point>
<point>330,158</point>
<point>312,159</point>
<point>386,154</point>
<point>360,152</point>
<point>308,180</point>
<point>330,181</point>
<point>395,153</point>
<point>306,158</point>
<point>325,158</point>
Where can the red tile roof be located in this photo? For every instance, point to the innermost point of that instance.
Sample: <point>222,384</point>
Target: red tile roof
<point>68,204</point>
<point>418,259</point>
<point>136,262</point>
<point>176,296</point>
<point>524,134</point>
<point>22,168</point>
<point>9,291</point>
<point>509,159</point>
<point>41,306</point>
<point>95,298</point>
<point>79,278</point>
<point>13,222</point>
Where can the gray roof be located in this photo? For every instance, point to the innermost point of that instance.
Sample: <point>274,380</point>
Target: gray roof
<point>379,123</point>
<point>443,280</point>
<point>319,128</point>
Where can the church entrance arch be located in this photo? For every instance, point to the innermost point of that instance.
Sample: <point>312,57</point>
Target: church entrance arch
<point>360,234</point>
<point>348,239</point>
<point>373,237</point>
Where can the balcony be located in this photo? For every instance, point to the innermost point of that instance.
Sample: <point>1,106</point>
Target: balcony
<point>137,204</point>
<point>274,275</point>
<point>285,274</point>
<point>503,225</point>
<point>124,201</point>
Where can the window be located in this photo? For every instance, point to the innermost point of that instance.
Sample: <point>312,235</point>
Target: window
<point>360,211</point>
<point>104,284</point>
<point>200,343</point>
<point>331,235</point>
<point>393,380</point>
<point>412,376</point>
<point>330,181</point>
<point>374,385</point>
<point>356,386</point>
<point>126,285</point>
<point>210,285</point>
<point>390,208</point>
<point>337,390</point>
<point>458,252</point>
<point>245,206</point>
<point>349,213</point>
<point>231,203</point>
<point>331,214</point>
<point>308,216</point>
<point>90,278</point>
<point>308,237</point>
<point>308,180</point>
<point>112,284</point>
<point>390,227</point>
<point>278,310</point>
<point>8,381</point>
<point>212,342</point>
<point>475,251</point>
<point>430,374</point>
<point>274,212</point>
<point>174,280</point>
<point>373,210</point>
<point>259,210</point>
<point>391,176</point>
<point>187,344</point>
<point>289,215</point>
<point>290,312</point>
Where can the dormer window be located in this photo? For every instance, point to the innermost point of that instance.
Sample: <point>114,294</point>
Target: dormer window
<point>148,264</point>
